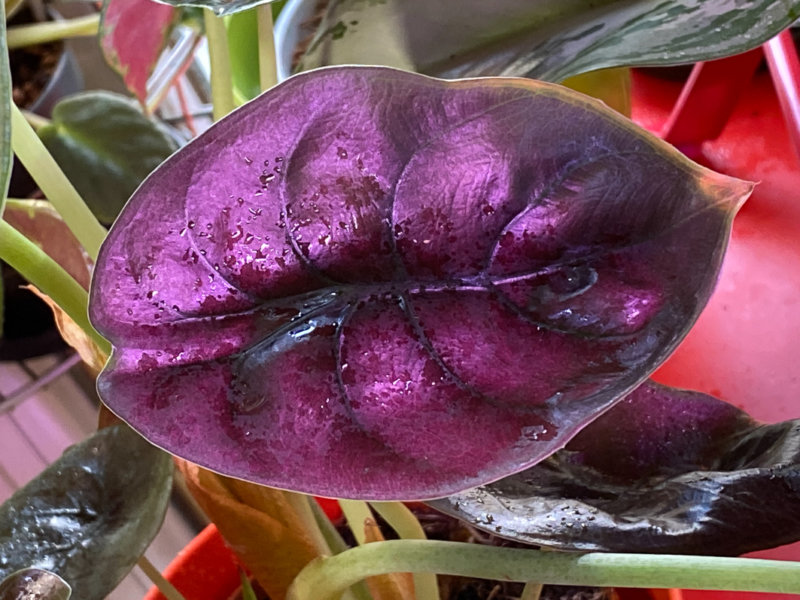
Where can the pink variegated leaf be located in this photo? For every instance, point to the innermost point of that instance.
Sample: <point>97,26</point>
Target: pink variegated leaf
<point>133,33</point>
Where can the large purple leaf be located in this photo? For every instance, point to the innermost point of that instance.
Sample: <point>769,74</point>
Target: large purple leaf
<point>664,470</point>
<point>369,283</point>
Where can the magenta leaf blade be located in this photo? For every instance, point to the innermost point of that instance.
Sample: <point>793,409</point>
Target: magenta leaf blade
<point>664,470</point>
<point>368,283</point>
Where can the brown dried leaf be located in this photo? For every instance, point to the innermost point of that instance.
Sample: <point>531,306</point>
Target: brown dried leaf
<point>89,351</point>
<point>259,523</point>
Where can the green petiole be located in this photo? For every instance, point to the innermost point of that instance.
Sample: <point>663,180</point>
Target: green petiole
<point>56,187</point>
<point>325,578</point>
<point>221,81</point>
<point>51,31</point>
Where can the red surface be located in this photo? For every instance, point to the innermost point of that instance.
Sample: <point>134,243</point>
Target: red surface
<point>745,345</point>
<point>206,569</point>
<point>708,99</point>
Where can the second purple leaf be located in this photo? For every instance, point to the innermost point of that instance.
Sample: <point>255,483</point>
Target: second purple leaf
<point>665,470</point>
<point>369,283</point>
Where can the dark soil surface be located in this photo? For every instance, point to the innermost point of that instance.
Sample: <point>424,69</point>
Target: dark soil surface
<point>32,66</point>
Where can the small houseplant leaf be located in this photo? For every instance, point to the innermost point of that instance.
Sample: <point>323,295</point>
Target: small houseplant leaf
<point>34,584</point>
<point>91,514</point>
<point>106,146</point>
<point>665,470</point>
<point>365,268</point>
<point>544,39</point>
<point>133,34</point>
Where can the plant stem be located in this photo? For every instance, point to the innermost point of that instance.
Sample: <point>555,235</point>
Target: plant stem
<point>50,277</point>
<point>51,31</point>
<point>267,64</point>
<point>301,504</point>
<point>56,187</point>
<point>165,587</point>
<point>357,514</point>
<point>221,81</point>
<point>335,542</point>
<point>594,569</point>
<point>35,121</point>
<point>531,591</point>
<point>406,525</point>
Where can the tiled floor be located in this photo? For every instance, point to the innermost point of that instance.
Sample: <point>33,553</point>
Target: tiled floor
<point>42,424</point>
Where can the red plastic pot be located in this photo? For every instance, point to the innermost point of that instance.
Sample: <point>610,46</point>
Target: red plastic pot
<point>744,346</point>
<point>205,569</point>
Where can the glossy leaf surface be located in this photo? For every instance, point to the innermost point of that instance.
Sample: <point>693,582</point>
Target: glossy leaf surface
<point>106,146</point>
<point>90,515</point>
<point>542,39</point>
<point>133,34</point>
<point>368,283</point>
<point>34,584</point>
<point>664,470</point>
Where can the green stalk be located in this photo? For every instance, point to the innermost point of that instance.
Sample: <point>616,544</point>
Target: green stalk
<point>221,81</point>
<point>51,31</point>
<point>267,63</point>
<point>50,277</point>
<point>165,587</point>
<point>56,187</point>
<point>301,504</point>
<point>357,514</point>
<point>406,525</point>
<point>36,121</point>
<point>324,579</point>
<point>335,542</point>
<point>532,591</point>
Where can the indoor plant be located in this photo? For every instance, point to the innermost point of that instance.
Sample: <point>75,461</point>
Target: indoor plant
<point>564,283</point>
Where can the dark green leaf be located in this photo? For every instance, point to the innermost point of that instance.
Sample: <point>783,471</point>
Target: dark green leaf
<point>5,115</point>
<point>664,470</point>
<point>34,584</point>
<point>106,146</point>
<point>543,39</point>
<point>90,515</point>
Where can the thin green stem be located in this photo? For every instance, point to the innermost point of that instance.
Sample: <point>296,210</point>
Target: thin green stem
<point>531,591</point>
<point>35,121</point>
<point>324,579</point>
<point>165,587</point>
<point>408,527</point>
<point>56,187</point>
<point>51,31</point>
<point>267,64</point>
<point>301,504</point>
<point>219,55</point>
<point>357,514</point>
<point>335,542</point>
<point>50,277</point>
